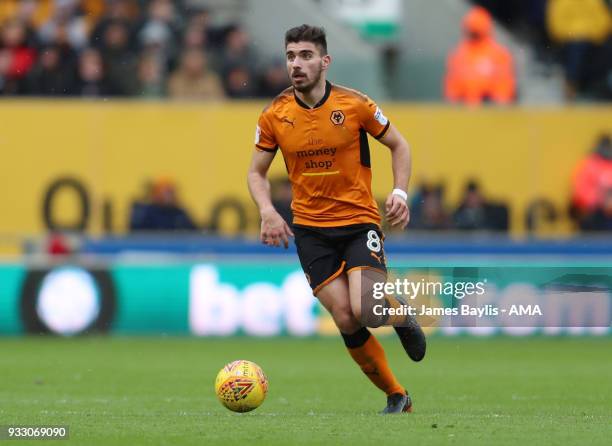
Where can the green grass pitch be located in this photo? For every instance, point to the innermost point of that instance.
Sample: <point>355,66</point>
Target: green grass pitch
<point>159,391</point>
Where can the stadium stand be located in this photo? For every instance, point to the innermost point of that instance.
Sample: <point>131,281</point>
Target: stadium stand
<point>141,44</point>
<point>136,48</point>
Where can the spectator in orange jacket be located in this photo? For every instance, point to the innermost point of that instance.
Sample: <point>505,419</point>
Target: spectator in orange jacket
<point>592,180</point>
<point>479,68</point>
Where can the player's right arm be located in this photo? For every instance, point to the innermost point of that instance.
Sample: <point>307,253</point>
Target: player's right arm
<point>274,229</point>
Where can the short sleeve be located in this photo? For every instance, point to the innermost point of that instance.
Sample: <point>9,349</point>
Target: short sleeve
<point>372,119</point>
<point>264,134</point>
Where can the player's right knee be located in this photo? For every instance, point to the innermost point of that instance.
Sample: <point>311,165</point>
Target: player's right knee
<point>365,313</point>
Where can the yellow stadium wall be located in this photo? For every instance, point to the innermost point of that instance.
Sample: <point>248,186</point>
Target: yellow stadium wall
<point>518,154</point>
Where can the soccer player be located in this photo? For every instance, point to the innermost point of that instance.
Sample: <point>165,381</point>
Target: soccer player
<point>321,129</point>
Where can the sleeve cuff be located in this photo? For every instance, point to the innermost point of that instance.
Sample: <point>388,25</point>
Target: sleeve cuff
<point>384,131</point>
<point>266,149</point>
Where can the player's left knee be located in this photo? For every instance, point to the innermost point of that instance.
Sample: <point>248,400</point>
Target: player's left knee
<point>346,322</point>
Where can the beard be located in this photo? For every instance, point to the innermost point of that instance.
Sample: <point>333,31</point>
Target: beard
<point>307,87</point>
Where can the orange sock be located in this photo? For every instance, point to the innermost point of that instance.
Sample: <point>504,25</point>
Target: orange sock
<point>371,358</point>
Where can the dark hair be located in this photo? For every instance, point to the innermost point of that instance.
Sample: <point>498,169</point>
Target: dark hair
<point>307,33</point>
<point>472,186</point>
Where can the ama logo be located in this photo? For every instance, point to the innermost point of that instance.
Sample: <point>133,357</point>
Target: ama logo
<point>525,310</point>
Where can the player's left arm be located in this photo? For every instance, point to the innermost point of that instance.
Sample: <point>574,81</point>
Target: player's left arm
<point>396,205</point>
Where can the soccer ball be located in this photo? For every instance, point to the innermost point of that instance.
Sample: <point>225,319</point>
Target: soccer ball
<point>241,386</point>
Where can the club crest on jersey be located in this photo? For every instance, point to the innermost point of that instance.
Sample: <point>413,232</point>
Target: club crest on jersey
<point>382,119</point>
<point>337,117</point>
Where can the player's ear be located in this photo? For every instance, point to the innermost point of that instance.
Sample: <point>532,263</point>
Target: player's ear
<point>326,61</point>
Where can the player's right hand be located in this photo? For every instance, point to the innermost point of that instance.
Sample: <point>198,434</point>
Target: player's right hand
<point>274,229</point>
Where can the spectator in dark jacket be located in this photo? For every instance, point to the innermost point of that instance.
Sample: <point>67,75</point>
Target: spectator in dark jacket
<point>91,80</point>
<point>601,218</point>
<point>124,11</point>
<point>476,213</point>
<point>428,212</point>
<point>163,213</point>
<point>273,80</point>
<point>119,60</point>
<point>151,82</point>
<point>54,74</point>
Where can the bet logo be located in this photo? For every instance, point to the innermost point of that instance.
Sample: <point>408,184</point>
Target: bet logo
<point>337,117</point>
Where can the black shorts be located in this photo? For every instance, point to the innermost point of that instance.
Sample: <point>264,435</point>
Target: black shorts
<point>326,252</point>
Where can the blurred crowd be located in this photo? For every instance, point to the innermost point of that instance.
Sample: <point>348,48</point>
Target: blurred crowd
<point>159,208</point>
<point>475,212</point>
<point>146,48</point>
<point>590,204</point>
<point>170,48</point>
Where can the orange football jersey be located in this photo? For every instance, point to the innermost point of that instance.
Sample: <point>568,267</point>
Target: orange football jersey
<point>327,154</point>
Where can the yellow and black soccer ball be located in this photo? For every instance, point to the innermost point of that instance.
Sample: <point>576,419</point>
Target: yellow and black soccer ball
<point>241,386</point>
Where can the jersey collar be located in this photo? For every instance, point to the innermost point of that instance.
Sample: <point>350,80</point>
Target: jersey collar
<point>328,87</point>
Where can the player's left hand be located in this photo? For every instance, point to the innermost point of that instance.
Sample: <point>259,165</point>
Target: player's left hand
<point>397,210</point>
